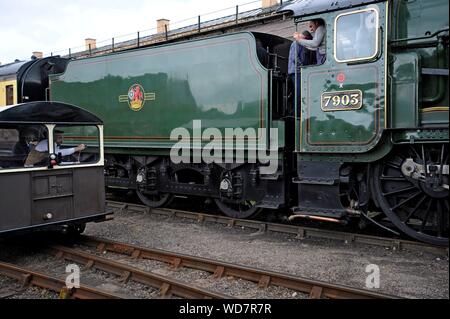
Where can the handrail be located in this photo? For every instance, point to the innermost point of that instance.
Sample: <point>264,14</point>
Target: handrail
<point>420,38</point>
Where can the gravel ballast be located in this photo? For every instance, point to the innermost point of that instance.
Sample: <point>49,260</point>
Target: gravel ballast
<point>408,274</point>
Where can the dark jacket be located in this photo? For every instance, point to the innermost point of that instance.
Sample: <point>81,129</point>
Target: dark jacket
<point>304,56</point>
<point>21,150</point>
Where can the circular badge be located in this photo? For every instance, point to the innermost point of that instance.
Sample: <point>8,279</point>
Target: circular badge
<point>136,97</point>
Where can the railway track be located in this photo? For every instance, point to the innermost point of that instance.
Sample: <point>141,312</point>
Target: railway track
<point>28,277</point>
<point>310,288</point>
<point>298,231</point>
<point>86,251</point>
<point>167,287</point>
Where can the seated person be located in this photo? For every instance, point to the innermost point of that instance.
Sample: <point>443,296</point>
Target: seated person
<point>40,152</point>
<point>27,141</point>
<point>316,27</point>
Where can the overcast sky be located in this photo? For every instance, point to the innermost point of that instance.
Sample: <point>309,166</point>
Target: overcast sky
<point>51,26</point>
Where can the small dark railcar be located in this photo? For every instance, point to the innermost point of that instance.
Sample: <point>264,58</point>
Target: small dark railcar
<point>56,190</point>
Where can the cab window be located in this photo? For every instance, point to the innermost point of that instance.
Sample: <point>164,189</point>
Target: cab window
<point>356,35</point>
<point>77,144</point>
<point>17,146</point>
<point>309,47</point>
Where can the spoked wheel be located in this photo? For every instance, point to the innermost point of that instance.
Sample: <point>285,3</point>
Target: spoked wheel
<point>245,209</point>
<point>411,187</point>
<point>154,200</point>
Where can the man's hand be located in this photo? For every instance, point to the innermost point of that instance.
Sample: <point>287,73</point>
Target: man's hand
<point>80,148</point>
<point>297,36</point>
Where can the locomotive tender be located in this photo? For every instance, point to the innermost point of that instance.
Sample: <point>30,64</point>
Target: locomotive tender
<point>368,136</point>
<point>219,81</point>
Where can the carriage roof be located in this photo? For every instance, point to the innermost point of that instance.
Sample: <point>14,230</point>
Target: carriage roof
<point>47,112</point>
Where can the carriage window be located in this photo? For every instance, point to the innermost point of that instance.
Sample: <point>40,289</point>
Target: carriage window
<point>356,36</point>
<point>78,144</point>
<point>17,144</point>
<point>9,95</point>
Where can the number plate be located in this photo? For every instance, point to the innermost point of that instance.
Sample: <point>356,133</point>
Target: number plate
<point>341,100</point>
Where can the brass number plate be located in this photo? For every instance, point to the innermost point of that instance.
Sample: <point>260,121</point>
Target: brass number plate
<point>341,100</point>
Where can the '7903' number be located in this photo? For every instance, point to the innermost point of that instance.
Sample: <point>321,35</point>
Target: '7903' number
<point>342,100</point>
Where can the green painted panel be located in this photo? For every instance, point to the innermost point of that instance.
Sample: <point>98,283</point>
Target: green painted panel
<point>416,18</point>
<point>217,80</point>
<point>358,127</point>
<point>348,129</point>
<point>405,90</point>
<point>421,18</point>
<point>435,117</point>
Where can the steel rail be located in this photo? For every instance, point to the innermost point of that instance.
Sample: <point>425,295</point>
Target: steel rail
<point>315,289</point>
<point>299,231</point>
<point>166,286</point>
<point>29,277</point>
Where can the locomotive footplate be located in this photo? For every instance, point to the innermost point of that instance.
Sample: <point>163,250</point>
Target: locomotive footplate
<point>319,189</point>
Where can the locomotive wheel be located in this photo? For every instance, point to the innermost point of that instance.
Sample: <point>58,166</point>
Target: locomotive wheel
<point>415,205</point>
<point>246,209</point>
<point>154,201</point>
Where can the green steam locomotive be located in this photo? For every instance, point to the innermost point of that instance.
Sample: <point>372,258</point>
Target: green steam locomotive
<point>363,133</point>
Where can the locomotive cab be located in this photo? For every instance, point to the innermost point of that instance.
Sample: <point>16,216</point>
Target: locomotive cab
<point>372,120</point>
<point>47,179</point>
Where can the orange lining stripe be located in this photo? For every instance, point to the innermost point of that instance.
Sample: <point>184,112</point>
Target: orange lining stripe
<point>434,109</point>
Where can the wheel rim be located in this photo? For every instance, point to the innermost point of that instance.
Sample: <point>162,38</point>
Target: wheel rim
<point>414,206</point>
<point>242,210</point>
<point>154,201</point>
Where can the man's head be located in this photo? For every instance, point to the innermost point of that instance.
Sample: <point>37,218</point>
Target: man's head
<point>314,24</point>
<point>59,137</point>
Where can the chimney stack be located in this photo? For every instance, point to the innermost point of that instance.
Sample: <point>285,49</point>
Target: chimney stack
<point>161,25</point>
<point>38,54</point>
<point>269,3</point>
<point>90,42</point>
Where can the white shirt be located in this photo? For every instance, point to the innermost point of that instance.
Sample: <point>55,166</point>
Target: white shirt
<point>318,42</point>
<point>43,147</point>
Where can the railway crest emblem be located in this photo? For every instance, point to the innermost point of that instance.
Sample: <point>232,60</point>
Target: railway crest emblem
<point>136,97</point>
